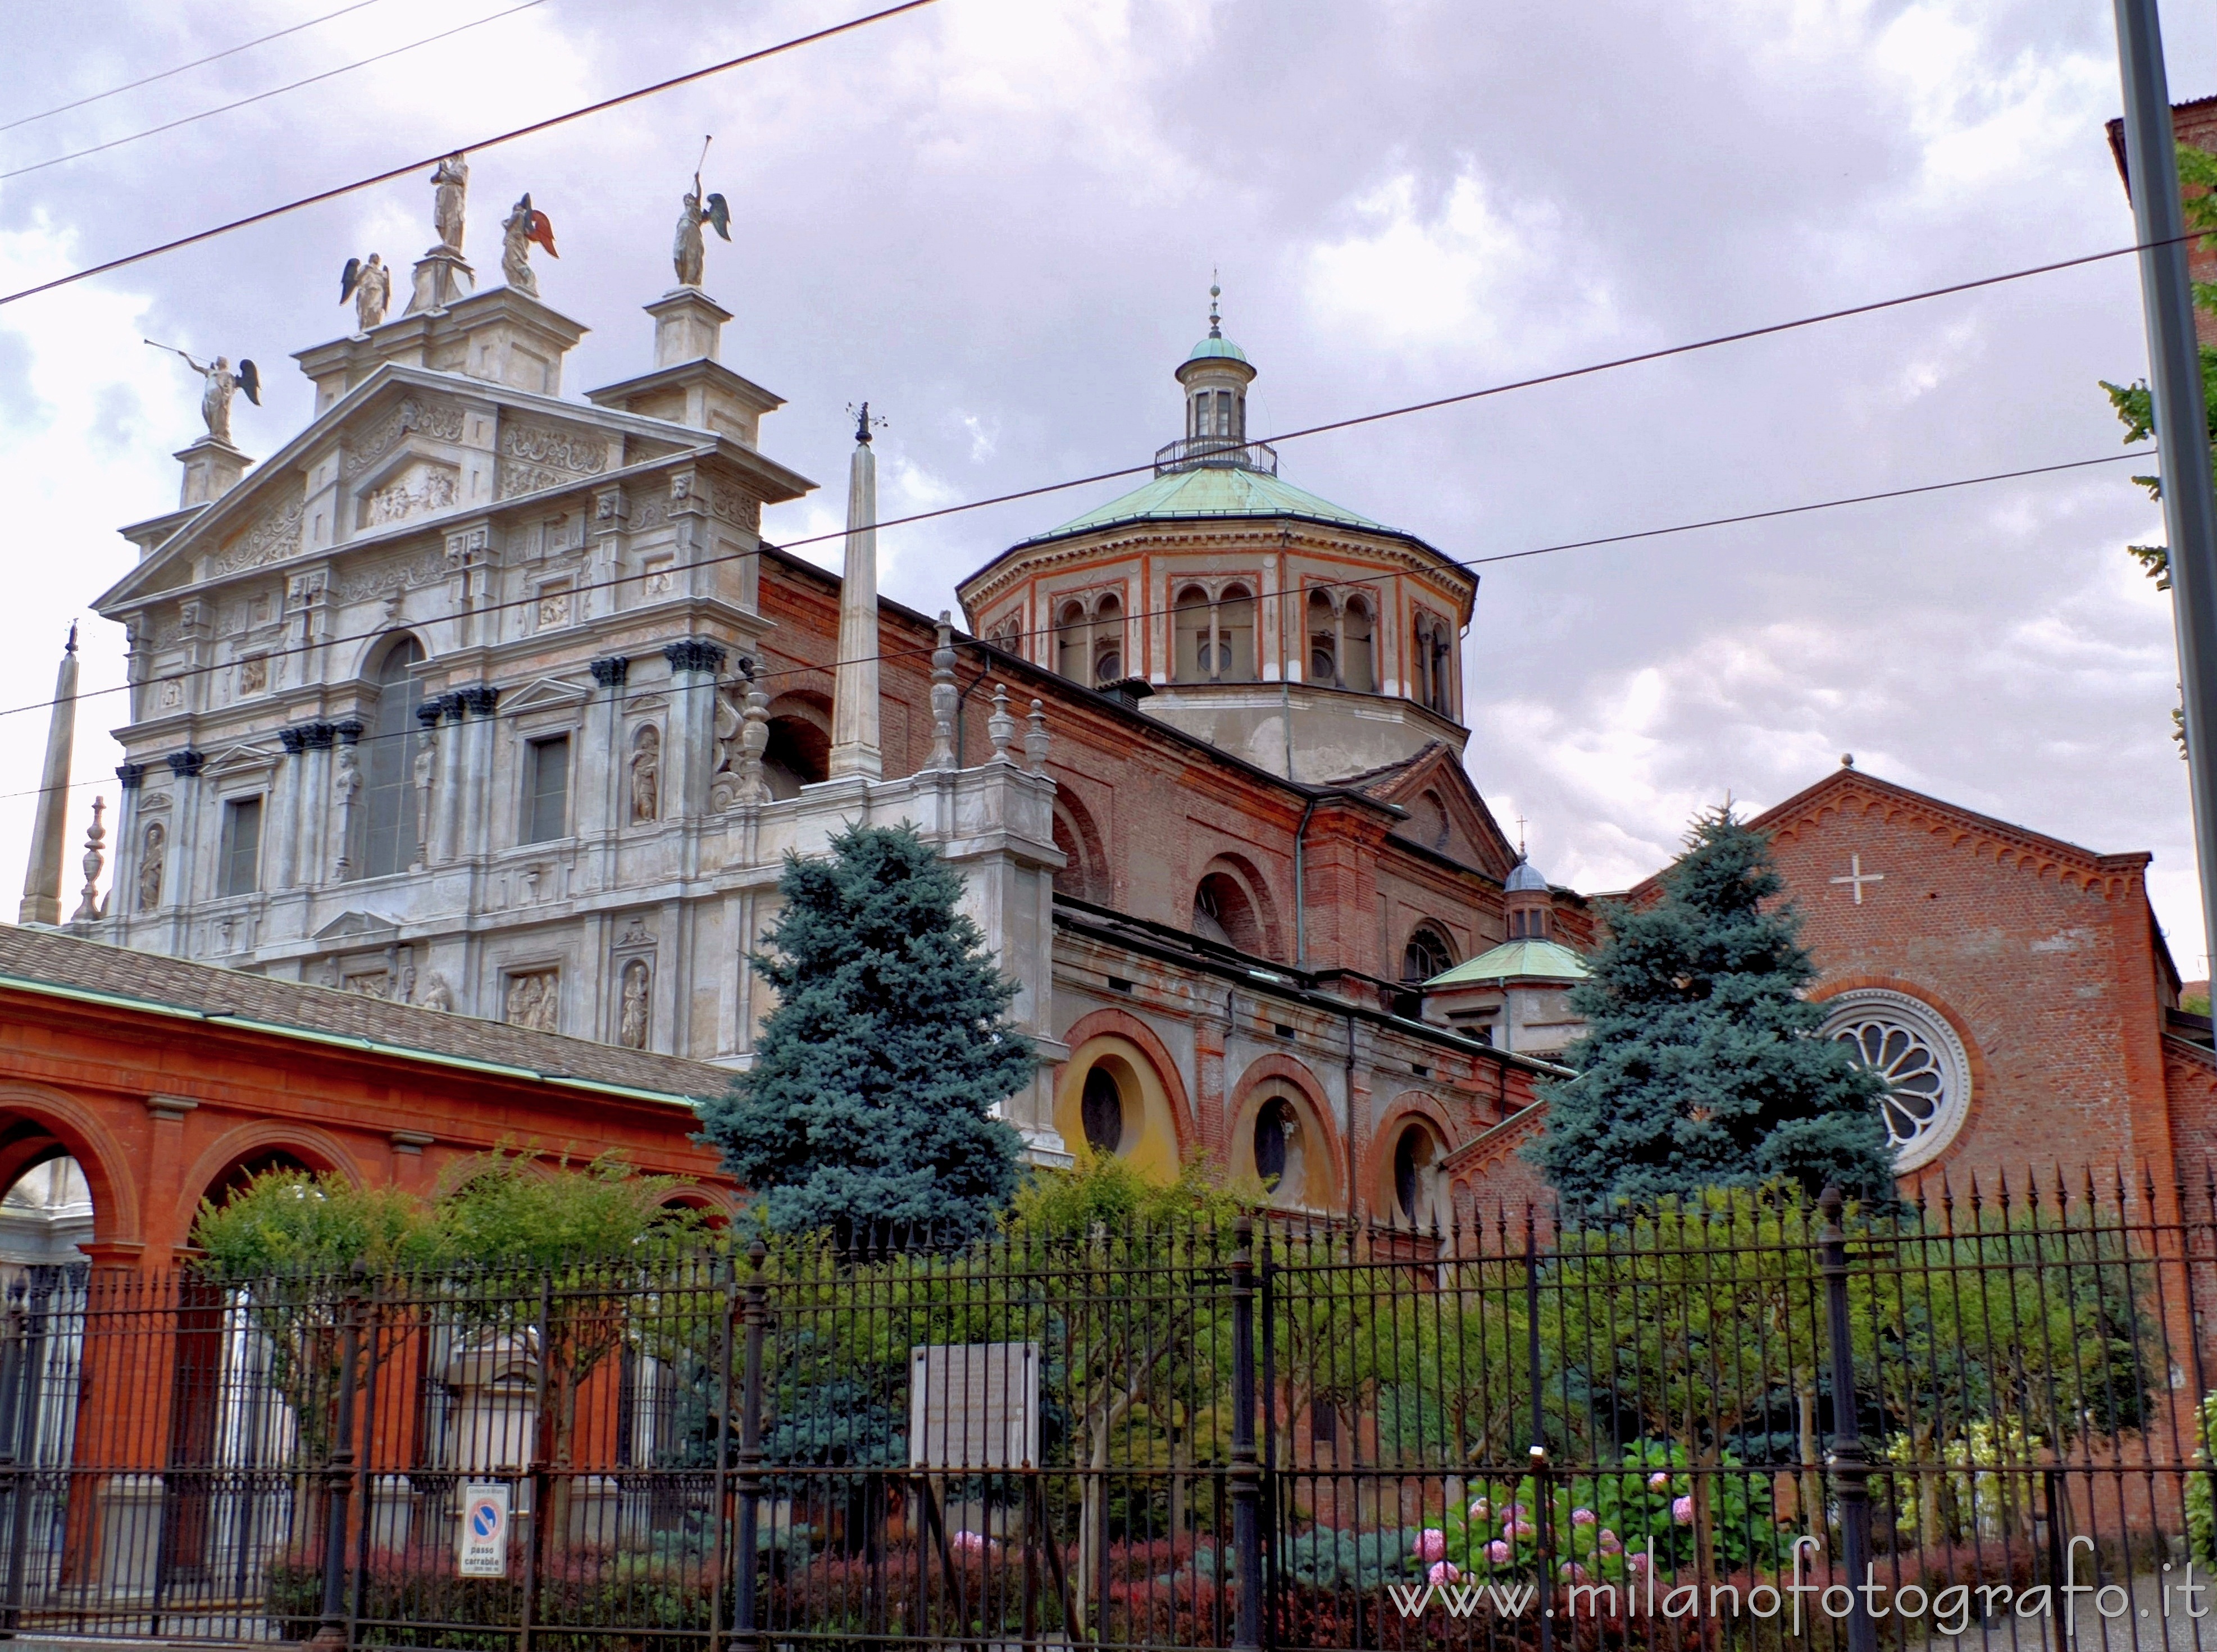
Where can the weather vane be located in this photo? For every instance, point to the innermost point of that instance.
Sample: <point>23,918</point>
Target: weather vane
<point>865,421</point>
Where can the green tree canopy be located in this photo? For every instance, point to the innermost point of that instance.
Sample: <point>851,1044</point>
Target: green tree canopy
<point>1701,1066</point>
<point>869,1104</point>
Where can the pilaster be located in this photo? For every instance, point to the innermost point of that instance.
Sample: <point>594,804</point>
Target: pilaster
<point>689,752</point>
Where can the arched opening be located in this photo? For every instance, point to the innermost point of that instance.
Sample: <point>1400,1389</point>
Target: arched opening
<point>45,1215</point>
<point>1416,1156</point>
<point>1072,636</point>
<point>799,754</point>
<point>1194,643</point>
<point>391,832</point>
<point>1107,642</point>
<point>1223,912</point>
<point>1323,640</point>
<point>1358,668</point>
<point>1084,872</point>
<point>1112,1100</point>
<point>1426,954</point>
<point>1235,629</point>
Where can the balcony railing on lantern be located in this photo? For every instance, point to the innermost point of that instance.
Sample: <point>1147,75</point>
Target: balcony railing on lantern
<point>1215,453</point>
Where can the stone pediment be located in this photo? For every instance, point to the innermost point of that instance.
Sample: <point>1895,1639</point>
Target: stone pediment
<point>544,694</point>
<point>361,927</point>
<point>241,758</point>
<point>1445,812</point>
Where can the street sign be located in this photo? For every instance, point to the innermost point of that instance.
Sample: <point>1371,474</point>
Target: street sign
<point>973,1406</point>
<point>481,1545</point>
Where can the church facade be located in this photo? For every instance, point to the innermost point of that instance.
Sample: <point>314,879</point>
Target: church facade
<point>485,699</point>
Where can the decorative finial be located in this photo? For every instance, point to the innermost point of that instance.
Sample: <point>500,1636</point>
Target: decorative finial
<point>1037,739</point>
<point>1520,838</point>
<point>72,641</point>
<point>1001,727</point>
<point>944,696</point>
<point>1847,759</point>
<point>864,422</point>
<point>1215,322</point>
<point>91,906</point>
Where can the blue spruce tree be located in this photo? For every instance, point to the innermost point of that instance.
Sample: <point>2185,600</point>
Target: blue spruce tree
<point>1701,1066</point>
<point>868,1109</point>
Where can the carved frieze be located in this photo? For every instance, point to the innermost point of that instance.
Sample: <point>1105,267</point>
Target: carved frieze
<point>423,489</point>
<point>578,452</point>
<point>517,478</point>
<point>735,505</point>
<point>384,579</point>
<point>440,420</point>
<point>274,537</point>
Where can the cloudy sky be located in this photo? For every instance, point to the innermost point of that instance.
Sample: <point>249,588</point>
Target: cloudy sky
<point>996,219</point>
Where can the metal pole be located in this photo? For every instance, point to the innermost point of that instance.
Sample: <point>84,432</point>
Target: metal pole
<point>1246,1528</point>
<point>1850,1468</point>
<point>2181,430</point>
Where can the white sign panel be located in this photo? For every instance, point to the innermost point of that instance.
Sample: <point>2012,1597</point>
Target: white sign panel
<point>973,1406</point>
<point>481,1545</point>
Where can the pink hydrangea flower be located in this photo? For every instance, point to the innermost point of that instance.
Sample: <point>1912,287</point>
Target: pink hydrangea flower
<point>1481,1509</point>
<point>1636,1562</point>
<point>1582,1517</point>
<point>1432,1545</point>
<point>1608,1541</point>
<point>1659,1482</point>
<point>1445,1571</point>
<point>1522,1529</point>
<point>1682,1511</point>
<point>970,1543</point>
<point>1513,1512</point>
<point>1497,1552</point>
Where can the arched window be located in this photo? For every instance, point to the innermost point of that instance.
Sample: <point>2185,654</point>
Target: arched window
<point>388,770</point>
<point>1071,634</point>
<point>1235,632</point>
<point>1102,1107</point>
<point>1194,659</point>
<point>1107,642</point>
<point>1323,640</point>
<point>1416,1159</point>
<point>1426,954</point>
<point>1279,1153</point>
<point>1223,912</point>
<point>1357,664</point>
<point>799,754</point>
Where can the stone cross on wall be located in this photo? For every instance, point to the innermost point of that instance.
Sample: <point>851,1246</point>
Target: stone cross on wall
<point>1856,878</point>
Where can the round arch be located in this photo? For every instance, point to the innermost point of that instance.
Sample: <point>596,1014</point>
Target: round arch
<point>1382,1159</point>
<point>36,1121</point>
<point>319,1150</point>
<point>1085,875</point>
<point>371,657</point>
<point>1148,1115</point>
<point>1233,895</point>
<point>1323,1155</point>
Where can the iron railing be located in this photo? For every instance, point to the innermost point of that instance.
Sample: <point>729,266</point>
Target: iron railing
<point>1700,1426</point>
<point>1215,453</point>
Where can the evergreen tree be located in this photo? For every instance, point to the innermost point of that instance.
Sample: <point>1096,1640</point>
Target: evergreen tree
<point>1701,1066</point>
<point>869,1102</point>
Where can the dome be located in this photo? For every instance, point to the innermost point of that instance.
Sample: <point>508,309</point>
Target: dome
<point>1525,878</point>
<point>1216,347</point>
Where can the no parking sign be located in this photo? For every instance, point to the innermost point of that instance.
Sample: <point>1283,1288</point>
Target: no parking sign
<point>481,1546</point>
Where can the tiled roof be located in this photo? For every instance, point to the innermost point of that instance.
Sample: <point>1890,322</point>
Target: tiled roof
<point>1517,961</point>
<point>1209,492</point>
<point>44,957</point>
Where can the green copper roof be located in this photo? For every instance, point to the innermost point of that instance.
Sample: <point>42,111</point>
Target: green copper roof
<point>1517,961</point>
<point>1215,347</point>
<point>1211,491</point>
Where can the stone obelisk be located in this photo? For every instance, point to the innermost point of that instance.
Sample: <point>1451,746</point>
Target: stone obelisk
<point>855,745</point>
<point>42,877</point>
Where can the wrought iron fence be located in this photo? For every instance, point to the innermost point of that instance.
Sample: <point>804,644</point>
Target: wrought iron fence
<point>1746,1421</point>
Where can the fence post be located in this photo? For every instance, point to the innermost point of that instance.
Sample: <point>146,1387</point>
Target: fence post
<point>338,1474</point>
<point>14,1349</point>
<point>1246,1488</point>
<point>745,1610</point>
<point>1541,1491</point>
<point>1850,1466</point>
<point>536,1546</point>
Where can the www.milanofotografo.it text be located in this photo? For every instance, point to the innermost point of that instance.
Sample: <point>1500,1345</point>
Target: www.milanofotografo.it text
<point>1951,1610</point>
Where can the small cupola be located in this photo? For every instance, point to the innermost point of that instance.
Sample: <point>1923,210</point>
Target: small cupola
<point>1528,904</point>
<point>1215,376</point>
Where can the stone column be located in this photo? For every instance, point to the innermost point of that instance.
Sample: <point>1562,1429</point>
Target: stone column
<point>603,780</point>
<point>454,782</point>
<point>282,829</point>
<point>856,749</point>
<point>346,798</point>
<point>314,859</point>
<point>182,870</point>
<point>480,701</point>
<point>123,884</point>
<point>424,774</point>
<point>688,752</point>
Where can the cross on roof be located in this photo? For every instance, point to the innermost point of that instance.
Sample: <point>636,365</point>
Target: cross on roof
<point>1858,877</point>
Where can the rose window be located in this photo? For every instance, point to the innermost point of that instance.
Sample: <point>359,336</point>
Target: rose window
<point>1916,1052</point>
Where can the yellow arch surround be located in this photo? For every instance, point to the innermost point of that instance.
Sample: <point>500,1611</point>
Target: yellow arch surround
<point>1150,1140</point>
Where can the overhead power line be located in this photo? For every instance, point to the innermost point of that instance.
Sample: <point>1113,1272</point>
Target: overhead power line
<point>274,91</point>
<point>213,56</point>
<point>510,136</point>
<point>1470,563</point>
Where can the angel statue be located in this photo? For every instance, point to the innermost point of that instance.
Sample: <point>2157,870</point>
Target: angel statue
<point>369,284</point>
<point>689,250</point>
<point>522,228</point>
<point>220,384</point>
<point>451,183</point>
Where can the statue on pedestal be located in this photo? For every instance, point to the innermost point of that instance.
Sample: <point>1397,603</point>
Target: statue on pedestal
<point>522,228</point>
<point>369,284</point>
<point>451,181</point>
<point>689,250</point>
<point>220,385</point>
